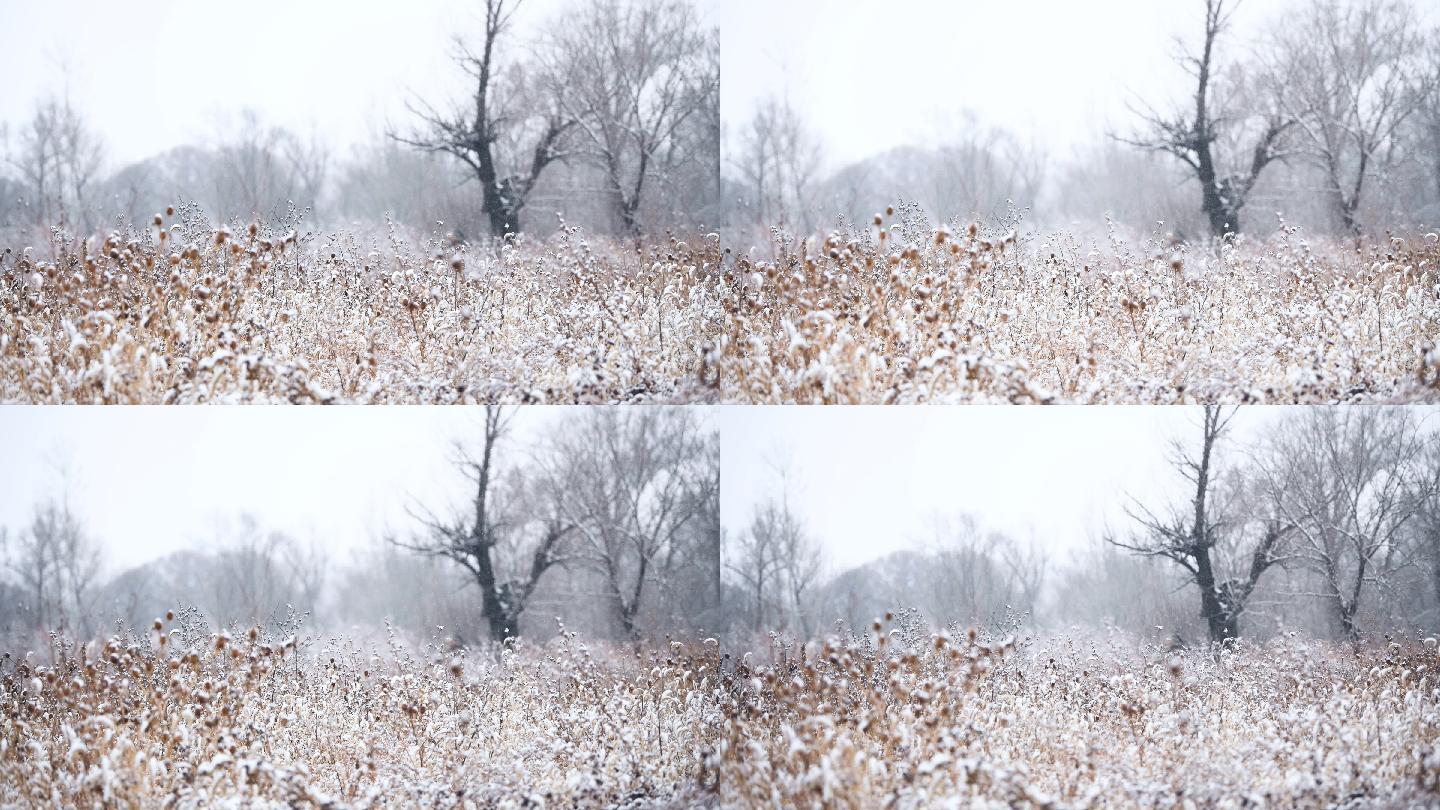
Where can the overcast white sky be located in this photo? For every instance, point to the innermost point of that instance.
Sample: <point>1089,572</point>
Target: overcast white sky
<point>871,76</point>
<point>156,75</point>
<point>870,480</point>
<point>147,481</point>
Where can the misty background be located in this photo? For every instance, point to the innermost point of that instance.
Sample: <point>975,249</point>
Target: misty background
<point>1059,115</point>
<point>1324,520</point>
<point>606,518</point>
<point>344,115</point>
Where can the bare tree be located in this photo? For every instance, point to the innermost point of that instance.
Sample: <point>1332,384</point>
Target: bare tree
<point>630,75</point>
<point>306,566</point>
<point>259,169</point>
<point>58,159</point>
<point>972,574</point>
<point>56,564</point>
<point>976,170</point>
<point>415,592</point>
<point>1027,566</point>
<point>629,475</point>
<point>777,162</point>
<point>1107,585</point>
<point>757,564</point>
<point>802,560</point>
<point>777,562</point>
<point>386,178</point>
<point>1349,76</point>
<point>693,184</point>
<point>1195,134</point>
<point>1201,534</point>
<point>1428,99</point>
<point>308,159</point>
<point>488,538</point>
<point>35,566</point>
<point>248,582</point>
<point>1348,482</point>
<point>1131,186</point>
<point>1426,538</point>
<point>703,554</point>
<point>499,108</point>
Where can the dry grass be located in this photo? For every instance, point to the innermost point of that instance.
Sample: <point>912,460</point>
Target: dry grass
<point>907,719</point>
<point>249,721</point>
<point>183,312</point>
<point>906,312</point>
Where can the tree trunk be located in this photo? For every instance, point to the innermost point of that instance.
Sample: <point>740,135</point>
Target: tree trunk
<point>1217,619</point>
<point>1231,625</point>
<point>627,622</point>
<point>629,610</point>
<point>1347,624</point>
<point>629,220</point>
<point>1435,574</point>
<point>1347,217</point>
<point>492,202</point>
<point>496,616</point>
<point>1210,201</point>
<point>759,606</point>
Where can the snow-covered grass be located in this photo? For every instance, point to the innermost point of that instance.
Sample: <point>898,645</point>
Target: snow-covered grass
<point>903,718</point>
<point>184,312</point>
<point>904,311</point>
<point>190,720</point>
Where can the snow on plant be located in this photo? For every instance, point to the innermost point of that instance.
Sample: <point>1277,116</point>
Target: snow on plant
<point>186,312</point>
<point>906,718</point>
<point>910,312</point>
<point>246,719</point>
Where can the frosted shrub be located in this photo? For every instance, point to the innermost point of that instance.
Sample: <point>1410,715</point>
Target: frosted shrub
<point>962,721</point>
<point>906,311</point>
<point>245,720</point>
<point>183,312</point>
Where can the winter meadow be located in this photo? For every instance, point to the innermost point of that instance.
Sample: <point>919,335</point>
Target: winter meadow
<point>610,577</point>
<point>1226,200</point>
<point>532,221</point>
<point>1235,607</point>
<point>507,636</point>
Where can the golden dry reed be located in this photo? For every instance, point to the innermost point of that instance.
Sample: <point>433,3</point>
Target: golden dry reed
<point>905,312</point>
<point>251,721</point>
<point>907,719</point>
<point>184,313</point>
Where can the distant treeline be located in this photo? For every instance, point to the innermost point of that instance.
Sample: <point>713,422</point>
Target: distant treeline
<point>619,140</point>
<point>1329,115</point>
<point>610,523</point>
<point>1328,522</point>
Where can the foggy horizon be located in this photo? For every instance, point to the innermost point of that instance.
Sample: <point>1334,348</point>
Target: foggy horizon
<point>344,73</point>
<point>915,86</point>
<point>342,479</point>
<point>1060,110</point>
<point>354,68</point>
<point>1056,478</point>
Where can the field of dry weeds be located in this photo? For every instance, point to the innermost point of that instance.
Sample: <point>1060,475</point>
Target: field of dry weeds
<point>184,312</point>
<point>904,311</point>
<point>191,718</point>
<point>899,716</point>
<point>904,718</point>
